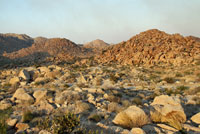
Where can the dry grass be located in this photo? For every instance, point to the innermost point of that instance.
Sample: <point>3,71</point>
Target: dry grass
<point>114,107</point>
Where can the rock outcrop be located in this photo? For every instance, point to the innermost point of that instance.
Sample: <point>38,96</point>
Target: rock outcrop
<point>96,45</point>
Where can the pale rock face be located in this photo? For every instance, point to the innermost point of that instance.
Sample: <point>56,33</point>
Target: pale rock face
<point>5,104</point>
<point>167,109</point>
<point>137,131</point>
<point>24,74</point>
<point>133,116</point>
<point>39,95</point>
<point>196,118</point>
<point>21,94</point>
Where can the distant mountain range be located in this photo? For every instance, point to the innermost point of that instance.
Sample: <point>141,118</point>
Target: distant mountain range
<point>147,48</point>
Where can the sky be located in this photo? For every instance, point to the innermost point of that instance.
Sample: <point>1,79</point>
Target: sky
<point>113,21</point>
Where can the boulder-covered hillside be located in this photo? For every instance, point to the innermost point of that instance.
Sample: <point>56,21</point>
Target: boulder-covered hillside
<point>153,47</point>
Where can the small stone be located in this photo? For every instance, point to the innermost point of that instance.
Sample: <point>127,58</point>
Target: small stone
<point>22,126</point>
<point>137,131</point>
<point>12,122</point>
<point>196,118</point>
<point>4,104</point>
<point>167,127</point>
<point>44,132</point>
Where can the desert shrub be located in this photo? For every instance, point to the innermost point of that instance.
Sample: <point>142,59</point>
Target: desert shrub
<point>178,90</point>
<point>66,85</point>
<point>114,78</point>
<point>126,103</point>
<point>197,100</point>
<point>188,73</point>
<point>82,106</point>
<point>62,124</point>
<point>114,107</point>
<point>43,82</point>
<point>6,86</point>
<point>27,116</point>
<point>98,82</point>
<point>197,62</point>
<point>169,80</point>
<point>179,75</point>
<point>113,98</point>
<point>137,100</point>
<point>4,115</point>
<point>182,88</point>
<point>142,77</point>
<point>194,91</point>
<point>95,117</point>
<point>82,85</point>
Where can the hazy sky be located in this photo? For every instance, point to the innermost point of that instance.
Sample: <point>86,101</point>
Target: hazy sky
<point>111,20</point>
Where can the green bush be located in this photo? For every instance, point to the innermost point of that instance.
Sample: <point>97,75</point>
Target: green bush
<point>27,116</point>
<point>62,124</point>
<point>169,80</point>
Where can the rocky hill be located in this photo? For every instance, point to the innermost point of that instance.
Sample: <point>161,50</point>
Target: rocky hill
<point>13,42</point>
<point>60,48</point>
<point>153,47</point>
<point>96,44</point>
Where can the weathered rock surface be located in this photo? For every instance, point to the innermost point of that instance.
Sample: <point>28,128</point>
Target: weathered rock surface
<point>131,117</point>
<point>168,110</point>
<point>196,118</point>
<point>21,94</point>
<point>137,131</point>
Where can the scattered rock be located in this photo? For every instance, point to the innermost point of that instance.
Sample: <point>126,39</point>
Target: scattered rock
<point>12,122</point>
<point>196,118</point>
<point>22,126</point>
<point>137,131</point>
<point>21,94</point>
<point>133,116</point>
<point>44,132</point>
